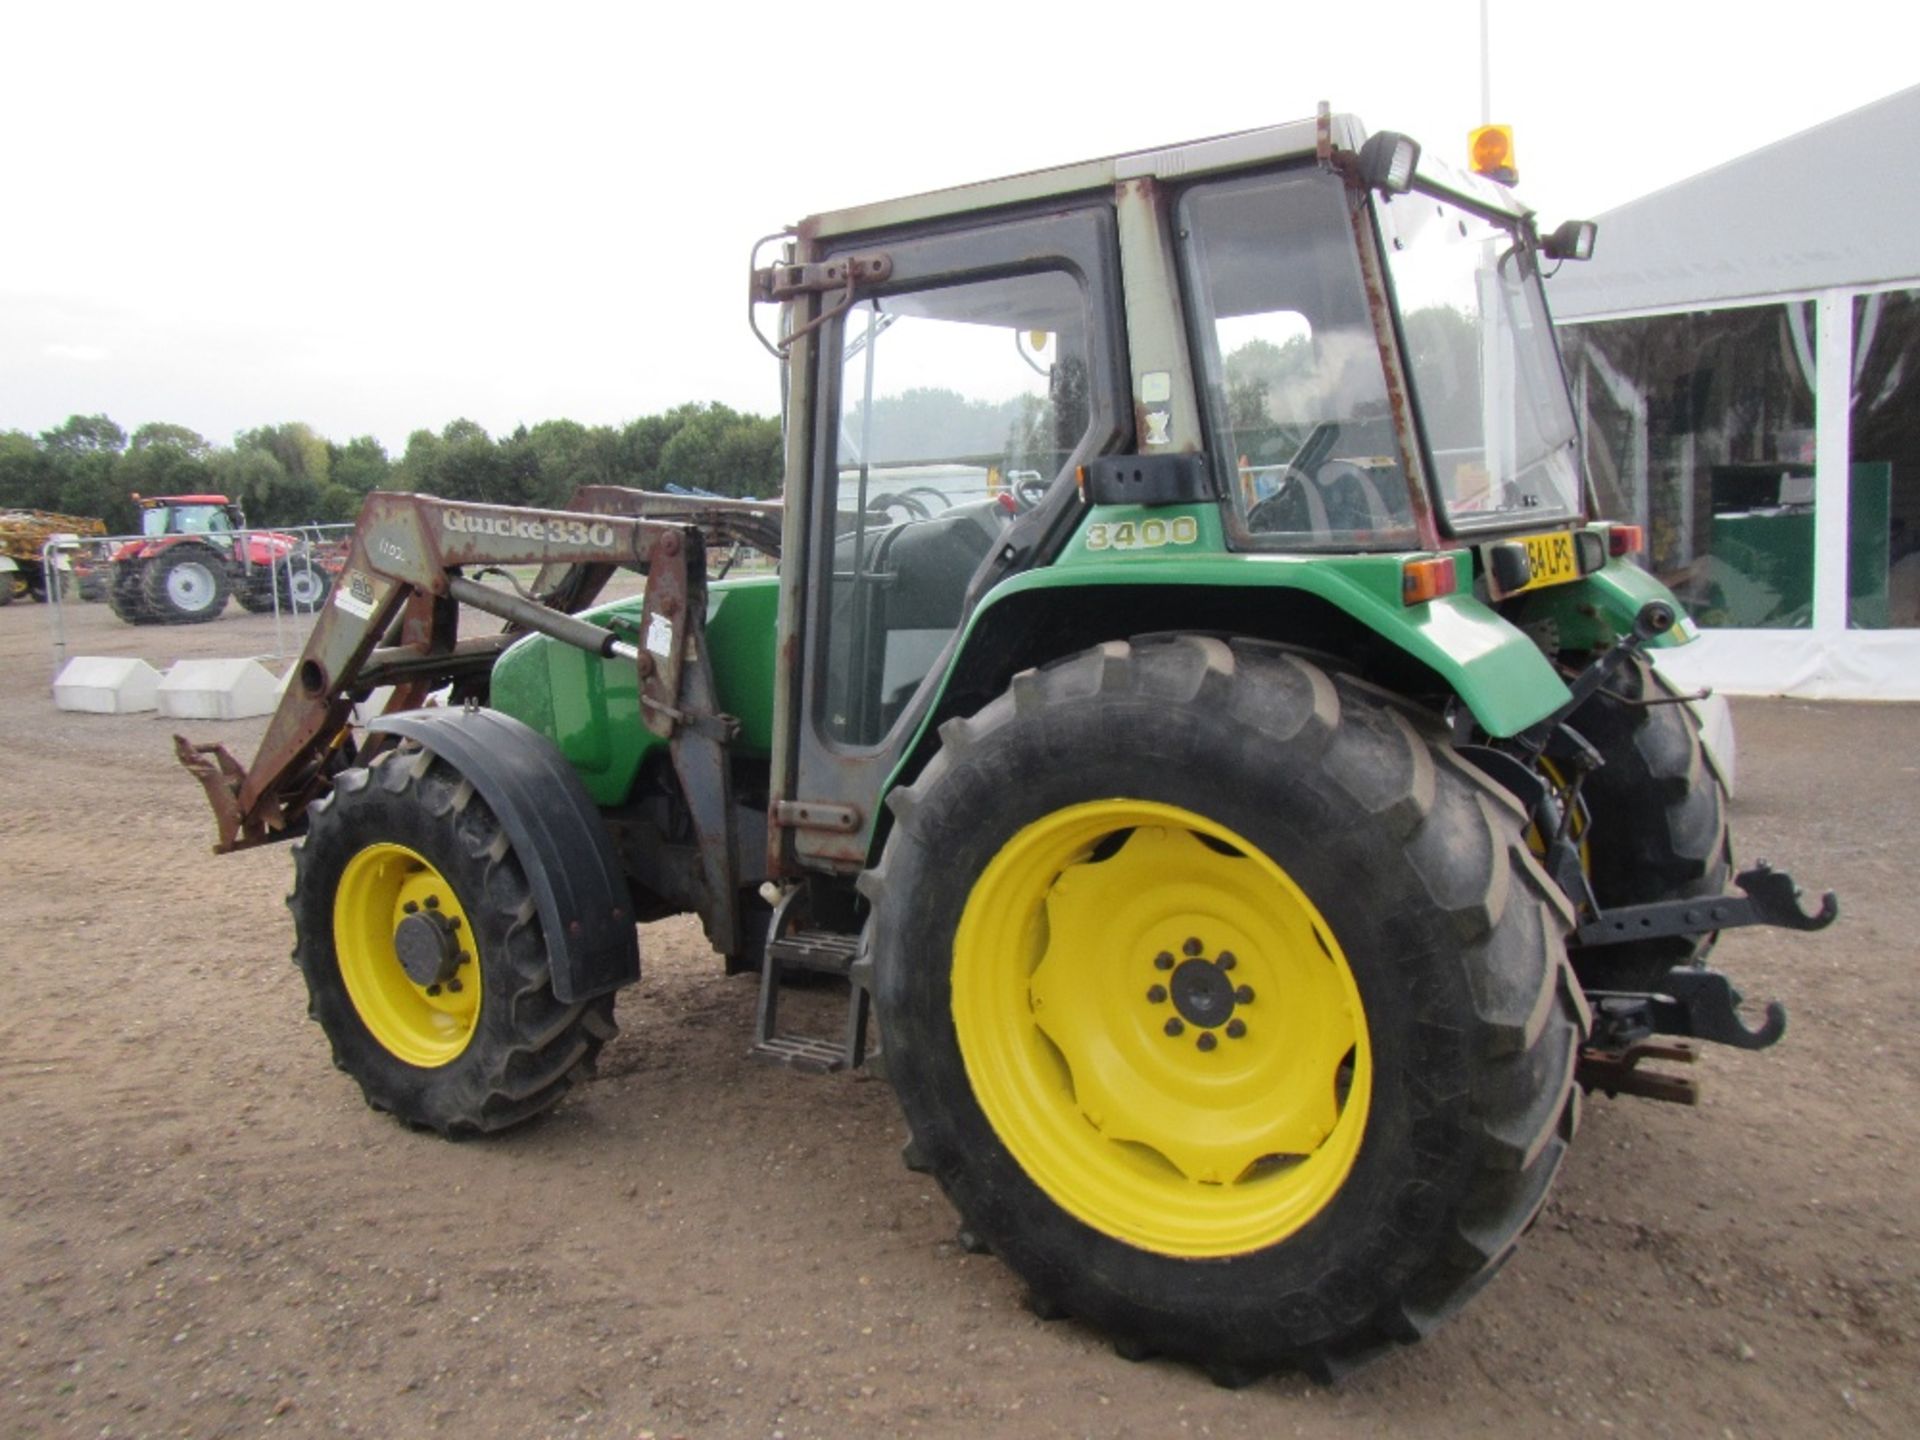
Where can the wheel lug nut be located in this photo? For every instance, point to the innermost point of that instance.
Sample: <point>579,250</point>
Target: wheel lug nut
<point>1206,1040</point>
<point>1244,994</point>
<point>433,989</point>
<point>1163,961</point>
<point>410,908</point>
<point>454,985</point>
<point>1236,1028</point>
<point>433,902</point>
<point>1157,995</point>
<point>453,922</point>
<point>1193,947</point>
<point>1174,1027</point>
<point>1226,960</point>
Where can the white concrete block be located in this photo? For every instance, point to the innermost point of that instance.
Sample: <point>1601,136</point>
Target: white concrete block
<point>217,690</point>
<point>106,685</point>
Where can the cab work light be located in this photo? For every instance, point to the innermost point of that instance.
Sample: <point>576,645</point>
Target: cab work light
<point>1427,578</point>
<point>1571,240</point>
<point>1387,162</point>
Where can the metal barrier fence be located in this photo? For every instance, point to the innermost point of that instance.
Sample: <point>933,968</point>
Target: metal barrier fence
<point>149,588</point>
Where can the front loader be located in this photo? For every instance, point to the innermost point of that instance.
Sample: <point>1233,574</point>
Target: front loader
<point>1196,710</point>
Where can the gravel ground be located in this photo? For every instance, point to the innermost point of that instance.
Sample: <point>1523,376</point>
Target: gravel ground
<point>204,1232</point>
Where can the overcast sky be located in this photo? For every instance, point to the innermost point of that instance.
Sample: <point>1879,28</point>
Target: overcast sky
<point>379,217</point>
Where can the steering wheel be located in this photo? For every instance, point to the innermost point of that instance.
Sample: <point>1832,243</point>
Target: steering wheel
<point>1286,509</point>
<point>1029,488</point>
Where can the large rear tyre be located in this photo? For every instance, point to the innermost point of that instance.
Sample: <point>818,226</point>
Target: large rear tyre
<point>1225,1004</point>
<point>1657,823</point>
<point>303,584</point>
<point>185,585</point>
<point>423,954</point>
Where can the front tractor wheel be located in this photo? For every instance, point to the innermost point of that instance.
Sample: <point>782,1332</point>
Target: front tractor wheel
<point>422,950</point>
<point>1226,1005</point>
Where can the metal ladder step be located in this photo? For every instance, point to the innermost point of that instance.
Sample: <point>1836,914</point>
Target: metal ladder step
<point>824,952</point>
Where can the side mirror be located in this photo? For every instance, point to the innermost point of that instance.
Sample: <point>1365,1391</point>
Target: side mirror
<point>1571,240</point>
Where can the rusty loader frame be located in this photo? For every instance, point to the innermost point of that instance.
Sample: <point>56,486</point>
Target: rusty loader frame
<point>394,620</point>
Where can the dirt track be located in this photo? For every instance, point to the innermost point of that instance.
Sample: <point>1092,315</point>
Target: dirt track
<point>203,1231</point>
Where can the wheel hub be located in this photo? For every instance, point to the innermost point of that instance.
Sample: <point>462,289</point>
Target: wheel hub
<point>1202,993</point>
<point>190,586</point>
<point>428,947</point>
<point>407,955</point>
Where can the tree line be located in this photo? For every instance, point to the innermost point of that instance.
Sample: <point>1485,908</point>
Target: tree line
<point>289,475</point>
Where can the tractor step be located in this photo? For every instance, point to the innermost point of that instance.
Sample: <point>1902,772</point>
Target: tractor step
<point>827,952</point>
<point>823,952</point>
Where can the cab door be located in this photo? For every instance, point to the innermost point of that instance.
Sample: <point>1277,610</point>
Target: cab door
<point>951,407</point>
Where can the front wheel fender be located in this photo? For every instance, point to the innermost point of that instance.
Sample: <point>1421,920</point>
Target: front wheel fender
<point>578,885</point>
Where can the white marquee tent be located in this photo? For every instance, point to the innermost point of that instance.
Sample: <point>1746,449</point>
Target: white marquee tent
<point>1781,489</point>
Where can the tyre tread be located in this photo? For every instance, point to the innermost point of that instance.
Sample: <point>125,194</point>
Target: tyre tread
<point>550,1045</point>
<point>1461,834</point>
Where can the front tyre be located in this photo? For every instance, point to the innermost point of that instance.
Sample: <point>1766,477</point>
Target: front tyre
<point>422,950</point>
<point>1225,1005</point>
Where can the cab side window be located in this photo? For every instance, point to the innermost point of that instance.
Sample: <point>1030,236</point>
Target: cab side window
<point>958,409</point>
<point>1291,364</point>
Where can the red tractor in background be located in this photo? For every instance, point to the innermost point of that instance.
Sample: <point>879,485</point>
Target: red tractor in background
<point>196,550</point>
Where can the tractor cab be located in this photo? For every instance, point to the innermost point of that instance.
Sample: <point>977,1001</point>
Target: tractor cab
<point>189,515</point>
<point>1302,347</point>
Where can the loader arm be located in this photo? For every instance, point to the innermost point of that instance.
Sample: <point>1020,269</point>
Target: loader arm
<point>395,613</point>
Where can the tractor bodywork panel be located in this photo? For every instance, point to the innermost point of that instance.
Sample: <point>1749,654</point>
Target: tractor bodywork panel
<point>589,705</point>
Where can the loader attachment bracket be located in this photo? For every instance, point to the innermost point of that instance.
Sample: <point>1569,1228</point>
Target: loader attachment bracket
<point>221,776</point>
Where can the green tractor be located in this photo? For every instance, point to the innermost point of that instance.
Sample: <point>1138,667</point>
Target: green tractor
<point>1196,710</point>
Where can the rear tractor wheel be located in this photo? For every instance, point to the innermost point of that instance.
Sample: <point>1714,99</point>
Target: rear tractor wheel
<point>422,950</point>
<point>303,584</point>
<point>185,585</point>
<point>1657,824</point>
<point>1226,1005</point>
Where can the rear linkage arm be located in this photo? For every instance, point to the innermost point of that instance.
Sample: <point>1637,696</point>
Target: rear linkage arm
<point>1694,1003</point>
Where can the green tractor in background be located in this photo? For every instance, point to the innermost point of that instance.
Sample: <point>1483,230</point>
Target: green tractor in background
<point>1196,710</point>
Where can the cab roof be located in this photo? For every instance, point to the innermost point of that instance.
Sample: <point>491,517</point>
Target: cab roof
<point>1296,139</point>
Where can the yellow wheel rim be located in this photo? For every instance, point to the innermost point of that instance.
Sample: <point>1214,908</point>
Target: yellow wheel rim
<point>1576,831</point>
<point>427,1018</point>
<point>1161,1028</point>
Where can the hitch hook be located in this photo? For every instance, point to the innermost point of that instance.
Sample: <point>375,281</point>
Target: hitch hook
<point>1708,1008</point>
<point>1776,900</point>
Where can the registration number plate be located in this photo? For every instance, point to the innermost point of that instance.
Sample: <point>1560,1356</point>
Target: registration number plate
<point>1551,560</point>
